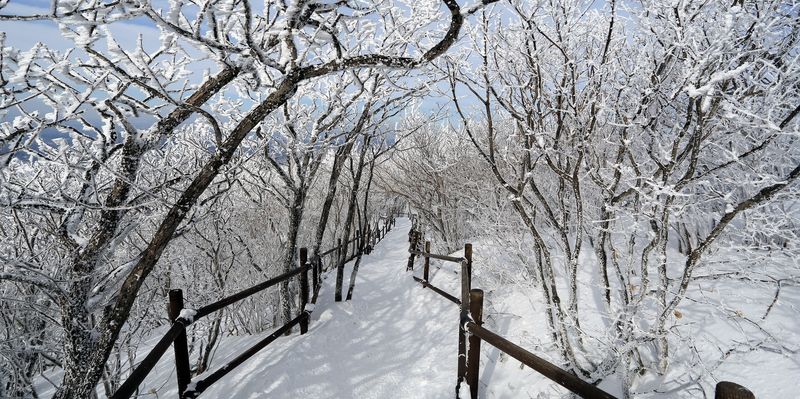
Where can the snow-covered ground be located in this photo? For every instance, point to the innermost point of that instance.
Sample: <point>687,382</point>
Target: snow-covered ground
<point>396,339</point>
<point>393,339</point>
<point>722,335</point>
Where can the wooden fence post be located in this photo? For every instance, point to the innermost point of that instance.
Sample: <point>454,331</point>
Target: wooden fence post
<point>316,271</point>
<point>731,390</point>
<point>467,275</point>
<point>412,239</point>
<point>320,266</point>
<point>180,345</point>
<point>474,355</point>
<point>303,289</point>
<point>427,261</point>
<point>341,258</point>
<point>368,243</point>
<point>466,283</point>
<point>349,248</point>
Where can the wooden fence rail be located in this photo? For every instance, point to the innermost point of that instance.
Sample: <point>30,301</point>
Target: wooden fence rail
<point>437,256</point>
<point>470,327</point>
<point>230,300</point>
<point>415,240</point>
<point>140,372</point>
<point>438,290</point>
<point>202,384</point>
<point>182,318</point>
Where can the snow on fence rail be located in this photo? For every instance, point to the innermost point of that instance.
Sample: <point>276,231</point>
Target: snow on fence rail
<point>470,327</point>
<point>182,317</point>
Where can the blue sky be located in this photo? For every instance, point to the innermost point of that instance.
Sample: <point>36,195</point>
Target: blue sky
<point>23,35</point>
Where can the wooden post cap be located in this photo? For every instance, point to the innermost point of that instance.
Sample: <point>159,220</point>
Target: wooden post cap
<point>732,390</point>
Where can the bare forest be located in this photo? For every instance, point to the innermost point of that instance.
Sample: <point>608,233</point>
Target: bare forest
<point>626,170</point>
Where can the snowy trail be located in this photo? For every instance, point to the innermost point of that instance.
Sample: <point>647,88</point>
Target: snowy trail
<point>391,340</point>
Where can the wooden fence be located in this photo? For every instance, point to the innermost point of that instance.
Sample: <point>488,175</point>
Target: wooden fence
<point>470,328</point>
<point>182,317</point>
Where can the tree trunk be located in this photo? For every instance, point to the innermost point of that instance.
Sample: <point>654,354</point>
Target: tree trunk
<point>351,208</point>
<point>364,228</point>
<point>341,156</point>
<point>85,356</point>
<point>295,218</point>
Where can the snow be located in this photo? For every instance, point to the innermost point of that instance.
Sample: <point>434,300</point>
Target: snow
<point>24,63</point>
<point>21,121</point>
<point>188,315</point>
<point>708,88</point>
<point>463,390</point>
<point>393,339</point>
<point>397,339</point>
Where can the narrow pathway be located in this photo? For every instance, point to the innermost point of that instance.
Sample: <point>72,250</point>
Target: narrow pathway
<point>392,340</point>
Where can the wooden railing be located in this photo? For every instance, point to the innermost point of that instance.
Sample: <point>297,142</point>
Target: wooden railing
<point>181,317</point>
<point>425,281</point>
<point>470,327</point>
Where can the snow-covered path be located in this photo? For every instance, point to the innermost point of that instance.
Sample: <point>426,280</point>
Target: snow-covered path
<point>391,340</point>
<point>395,339</point>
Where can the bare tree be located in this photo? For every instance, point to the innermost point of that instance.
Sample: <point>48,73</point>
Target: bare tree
<point>115,108</point>
<point>619,136</point>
